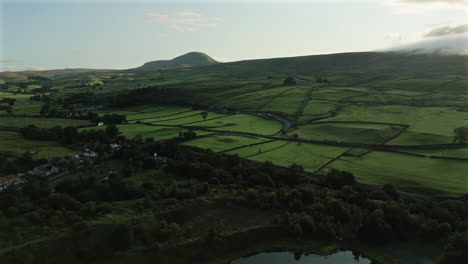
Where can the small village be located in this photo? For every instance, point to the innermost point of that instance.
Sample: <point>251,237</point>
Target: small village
<point>52,170</point>
<point>60,167</point>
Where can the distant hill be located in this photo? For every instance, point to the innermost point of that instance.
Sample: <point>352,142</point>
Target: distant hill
<point>346,63</point>
<point>186,60</point>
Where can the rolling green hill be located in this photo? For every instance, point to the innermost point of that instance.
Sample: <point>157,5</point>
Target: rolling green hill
<point>354,100</point>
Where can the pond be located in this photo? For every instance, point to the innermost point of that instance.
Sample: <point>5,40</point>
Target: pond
<point>341,257</point>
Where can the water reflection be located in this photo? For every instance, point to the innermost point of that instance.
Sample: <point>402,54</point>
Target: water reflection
<point>342,257</point>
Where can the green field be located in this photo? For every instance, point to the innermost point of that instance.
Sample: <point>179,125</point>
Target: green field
<point>221,143</point>
<point>434,177</point>
<point>250,151</point>
<point>349,132</point>
<point>310,156</point>
<point>19,122</point>
<point>13,143</point>
<point>438,122</point>
<point>367,98</point>
<point>148,131</point>
<point>448,153</point>
<point>241,123</point>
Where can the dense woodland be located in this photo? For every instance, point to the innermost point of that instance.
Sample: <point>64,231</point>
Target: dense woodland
<point>97,216</point>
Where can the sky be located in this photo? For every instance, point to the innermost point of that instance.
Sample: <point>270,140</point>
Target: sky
<point>121,34</point>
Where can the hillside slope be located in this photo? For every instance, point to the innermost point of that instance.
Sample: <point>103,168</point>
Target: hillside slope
<point>186,60</point>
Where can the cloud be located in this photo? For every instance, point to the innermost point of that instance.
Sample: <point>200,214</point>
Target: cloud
<point>223,59</point>
<point>450,2</point>
<point>182,21</point>
<point>8,68</point>
<point>10,61</point>
<point>18,65</point>
<point>38,68</point>
<point>447,46</point>
<point>394,36</point>
<point>447,31</point>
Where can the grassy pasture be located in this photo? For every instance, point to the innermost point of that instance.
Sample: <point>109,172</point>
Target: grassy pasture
<point>317,109</point>
<point>288,103</point>
<point>309,156</point>
<point>348,132</point>
<point>26,108</point>
<point>423,175</point>
<point>19,122</point>
<point>99,171</point>
<point>145,131</point>
<point>130,111</point>
<point>335,93</point>
<point>254,100</point>
<point>220,143</point>
<point>404,92</point>
<point>439,122</point>
<point>413,84</point>
<point>242,123</point>
<point>448,153</point>
<point>14,143</point>
<point>258,149</point>
<point>189,117</point>
<point>168,112</point>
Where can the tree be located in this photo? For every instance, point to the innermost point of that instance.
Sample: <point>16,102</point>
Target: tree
<point>122,236</point>
<point>391,191</point>
<point>9,110</point>
<point>289,80</point>
<point>460,135</point>
<point>10,101</point>
<point>337,179</point>
<point>44,109</point>
<point>112,131</point>
<point>204,115</point>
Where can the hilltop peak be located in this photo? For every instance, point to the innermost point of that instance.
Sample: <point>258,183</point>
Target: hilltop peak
<point>190,59</point>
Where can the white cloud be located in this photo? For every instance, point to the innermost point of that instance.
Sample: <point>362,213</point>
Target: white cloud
<point>446,45</point>
<point>182,21</point>
<point>223,59</point>
<point>38,68</point>
<point>445,31</point>
<point>8,68</point>
<point>394,36</point>
<point>425,6</point>
<point>449,2</point>
<point>17,65</point>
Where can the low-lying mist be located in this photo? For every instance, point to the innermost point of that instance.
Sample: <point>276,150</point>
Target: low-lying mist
<point>445,46</point>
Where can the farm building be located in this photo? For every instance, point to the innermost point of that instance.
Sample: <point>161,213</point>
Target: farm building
<point>8,181</point>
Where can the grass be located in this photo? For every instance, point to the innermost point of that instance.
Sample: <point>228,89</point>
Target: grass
<point>159,113</point>
<point>100,170</point>
<point>448,153</point>
<point>439,122</point>
<point>190,117</point>
<point>220,143</point>
<point>258,149</point>
<point>146,131</point>
<point>434,177</point>
<point>310,156</point>
<point>253,100</point>
<point>288,103</point>
<point>364,87</point>
<point>348,132</point>
<point>317,109</point>
<point>242,123</point>
<point>14,143</point>
<point>19,122</point>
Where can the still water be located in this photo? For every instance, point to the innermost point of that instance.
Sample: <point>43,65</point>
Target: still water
<point>342,257</point>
